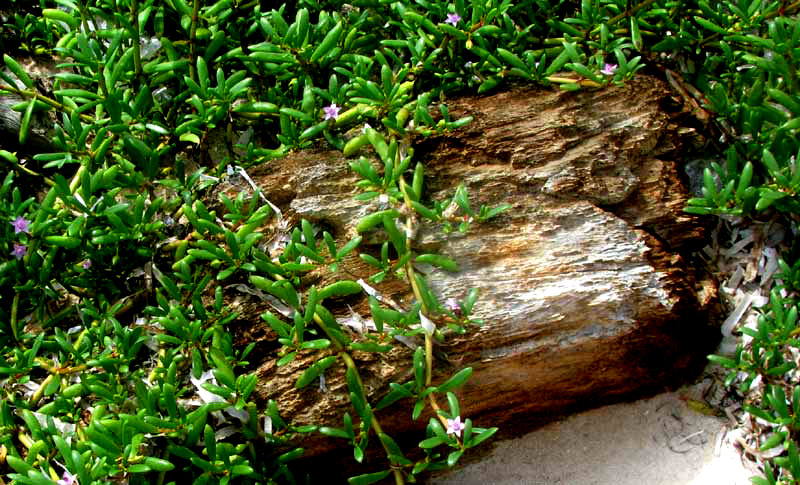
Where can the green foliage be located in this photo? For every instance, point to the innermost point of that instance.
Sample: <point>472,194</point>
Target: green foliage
<point>138,378</point>
<point>24,30</point>
<point>115,346</point>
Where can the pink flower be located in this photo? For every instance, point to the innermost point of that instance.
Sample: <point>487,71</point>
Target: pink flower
<point>453,19</point>
<point>451,304</point>
<point>68,479</point>
<point>609,69</point>
<point>87,264</point>
<point>331,112</point>
<point>19,250</point>
<point>21,225</point>
<point>455,426</point>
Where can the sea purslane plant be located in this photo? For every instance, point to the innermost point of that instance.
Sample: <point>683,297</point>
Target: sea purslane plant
<point>116,359</point>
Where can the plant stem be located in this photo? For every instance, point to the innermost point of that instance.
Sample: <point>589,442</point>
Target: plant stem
<point>410,274</point>
<point>28,443</point>
<point>24,94</point>
<point>350,363</point>
<point>193,41</point>
<point>84,17</point>
<point>137,42</point>
<point>40,390</point>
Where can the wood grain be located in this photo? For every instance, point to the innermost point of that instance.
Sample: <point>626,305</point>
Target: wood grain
<point>588,292</point>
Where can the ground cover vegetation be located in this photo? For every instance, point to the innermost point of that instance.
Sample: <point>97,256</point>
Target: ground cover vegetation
<point>115,361</point>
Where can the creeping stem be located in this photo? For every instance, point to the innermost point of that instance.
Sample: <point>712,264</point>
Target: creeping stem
<point>32,94</point>
<point>37,395</point>
<point>410,274</point>
<point>350,363</point>
<point>84,17</point>
<point>193,41</point>
<point>137,44</point>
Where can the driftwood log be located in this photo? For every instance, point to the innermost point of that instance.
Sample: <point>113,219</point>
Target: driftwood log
<point>588,292</point>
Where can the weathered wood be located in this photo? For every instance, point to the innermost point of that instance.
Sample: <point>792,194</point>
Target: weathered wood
<point>587,295</point>
<point>41,132</point>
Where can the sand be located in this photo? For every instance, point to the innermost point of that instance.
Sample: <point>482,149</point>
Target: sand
<point>655,441</point>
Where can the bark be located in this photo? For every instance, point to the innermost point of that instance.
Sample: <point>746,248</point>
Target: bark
<point>587,291</point>
<point>41,131</point>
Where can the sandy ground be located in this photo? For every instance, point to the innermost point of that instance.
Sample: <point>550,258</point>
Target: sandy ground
<point>655,441</point>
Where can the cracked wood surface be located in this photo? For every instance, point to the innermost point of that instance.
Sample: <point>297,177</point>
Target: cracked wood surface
<point>588,293</point>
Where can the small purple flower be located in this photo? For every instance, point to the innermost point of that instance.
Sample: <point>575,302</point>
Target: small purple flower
<point>453,19</point>
<point>609,69</point>
<point>87,264</point>
<point>455,426</point>
<point>19,250</point>
<point>68,479</point>
<point>331,112</point>
<point>21,225</point>
<point>451,304</point>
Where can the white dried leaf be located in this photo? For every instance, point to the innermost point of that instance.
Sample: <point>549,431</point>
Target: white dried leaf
<point>751,270</point>
<point>450,211</point>
<point>29,388</point>
<point>427,325</point>
<point>193,402</point>
<point>241,171</point>
<point>756,384</point>
<point>409,342</point>
<point>66,429</point>
<point>368,289</point>
<point>759,300</point>
<point>223,433</point>
<point>768,266</point>
<point>151,343</point>
<point>239,414</point>
<point>266,297</point>
<point>773,452</point>
<point>205,178</point>
<point>736,278</point>
<point>245,136</point>
<point>728,345</point>
<point>730,323</point>
<point>357,323</point>
<point>149,47</point>
<point>739,246</point>
<point>378,296</point>
<point>205,395</point>
<point>267,425</point>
